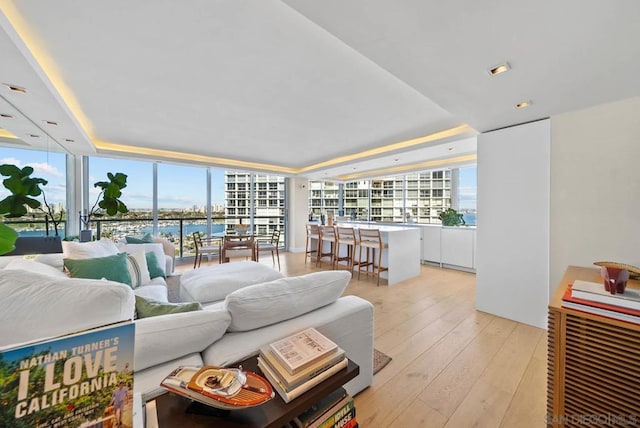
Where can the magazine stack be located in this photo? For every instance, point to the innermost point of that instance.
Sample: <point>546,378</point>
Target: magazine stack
<point>297,363</point>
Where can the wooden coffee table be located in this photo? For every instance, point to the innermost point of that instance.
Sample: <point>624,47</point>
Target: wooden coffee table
<point>172,409</point>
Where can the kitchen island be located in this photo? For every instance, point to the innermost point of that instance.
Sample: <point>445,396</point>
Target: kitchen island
<point>402,256</point>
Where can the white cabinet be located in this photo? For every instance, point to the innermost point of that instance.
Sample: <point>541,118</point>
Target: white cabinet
<point>431,243</point>
<point>457,247</point>
<point>450,246</point>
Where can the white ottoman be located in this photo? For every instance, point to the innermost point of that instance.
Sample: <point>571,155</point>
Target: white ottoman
<point>213,283</point>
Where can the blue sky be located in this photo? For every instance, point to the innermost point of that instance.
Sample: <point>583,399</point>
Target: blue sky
<point>179,187</point>
<point>468,188</point>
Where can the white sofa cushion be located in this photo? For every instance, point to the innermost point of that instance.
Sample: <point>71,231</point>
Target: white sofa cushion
<point>259,305</point>
<point>153,291</point>
<point>53,259</point>
<point>213,283</point>
<point>35,267</point>
<point>88,250</point>
<point>35,306</point>
<point>166,337</point>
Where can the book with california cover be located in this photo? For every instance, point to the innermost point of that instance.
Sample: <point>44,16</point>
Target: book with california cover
<point>79,380</point>
<point>302,349</point>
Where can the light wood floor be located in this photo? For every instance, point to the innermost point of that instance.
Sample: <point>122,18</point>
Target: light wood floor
<point>452,366</point>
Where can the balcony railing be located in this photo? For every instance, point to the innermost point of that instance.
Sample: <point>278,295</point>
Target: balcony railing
<point>177,230</point>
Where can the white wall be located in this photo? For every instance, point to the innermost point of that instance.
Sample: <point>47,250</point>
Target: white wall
<point>298,212</point>
<point>595,186</point>
<point>512,263</point>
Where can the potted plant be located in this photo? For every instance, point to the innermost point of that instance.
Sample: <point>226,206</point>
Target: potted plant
<point>108,201</point>
<point>24,189</point>
<point>451,217</point>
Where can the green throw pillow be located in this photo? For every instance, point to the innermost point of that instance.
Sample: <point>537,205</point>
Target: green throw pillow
<point>153,264</point>
<point>146,239</point>
<point>113,268</point>
<point>152,308</point>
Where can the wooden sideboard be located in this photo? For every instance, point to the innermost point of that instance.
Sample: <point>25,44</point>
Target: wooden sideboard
<point>593,375</point>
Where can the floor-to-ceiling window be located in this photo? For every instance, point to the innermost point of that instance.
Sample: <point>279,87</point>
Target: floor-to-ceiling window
<point>137,196</point>
<point>416,197</point>
<point>182,204</point>
<point>50,166</point>
<point>268,204</point>
<point>468,194</point>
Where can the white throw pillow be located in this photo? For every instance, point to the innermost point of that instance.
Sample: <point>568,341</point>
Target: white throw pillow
<point>35,267</point>
<point>138,269</point>
<point>259,305</point>
<point>35,306</point>
<point>89,250</point>
<point>156,248</point>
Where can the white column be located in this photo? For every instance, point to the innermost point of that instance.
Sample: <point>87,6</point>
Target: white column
<point>297,213</point>
<point>512,269</point>
<point>74,194</point>
<point>155,199</point>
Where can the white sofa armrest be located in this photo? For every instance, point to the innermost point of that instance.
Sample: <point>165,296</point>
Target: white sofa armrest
<point>167,337</point>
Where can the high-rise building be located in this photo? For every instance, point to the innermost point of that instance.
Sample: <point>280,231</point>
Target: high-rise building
<point>261,195</point>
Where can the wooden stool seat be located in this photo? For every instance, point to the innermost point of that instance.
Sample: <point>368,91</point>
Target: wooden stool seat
<point>313,232</point>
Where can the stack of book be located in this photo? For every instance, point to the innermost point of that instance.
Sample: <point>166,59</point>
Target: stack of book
<point>297,363</point>
<point>591,297</point>
<point>335,410</point>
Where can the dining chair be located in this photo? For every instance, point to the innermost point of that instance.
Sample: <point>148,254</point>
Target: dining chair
<point>205,246</point>
<point>238,246</point>
<point>271,245</point>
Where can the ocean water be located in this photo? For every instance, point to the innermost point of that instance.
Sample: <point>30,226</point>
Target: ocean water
<point>187,229</point>
<point>469,218</point>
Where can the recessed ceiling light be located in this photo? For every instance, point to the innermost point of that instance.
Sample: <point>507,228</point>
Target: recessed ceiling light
<point>16,88</point>
<point>396,160</point>
<point>451,149</point>
<point>6,116</point>
<point>500,68</point>
<point>34,136</point>
<point>51,122</point>
<point>523,104</point>
<point>69,140</point>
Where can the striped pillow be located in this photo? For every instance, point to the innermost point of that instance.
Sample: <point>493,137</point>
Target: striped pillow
<point>138,270</point>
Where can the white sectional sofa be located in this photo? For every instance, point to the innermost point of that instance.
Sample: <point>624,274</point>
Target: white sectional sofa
<point>39,301</point>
